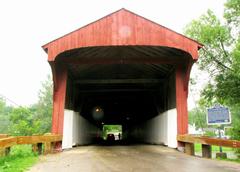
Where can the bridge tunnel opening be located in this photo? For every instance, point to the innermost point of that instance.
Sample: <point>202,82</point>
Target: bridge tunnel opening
<point>135,69</point>
<point>139,97</point>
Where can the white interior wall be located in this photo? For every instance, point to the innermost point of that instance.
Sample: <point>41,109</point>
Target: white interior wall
<point>172,128</point>
<point>161,129</point>
<point>67,129</point>
<point>77,130</point>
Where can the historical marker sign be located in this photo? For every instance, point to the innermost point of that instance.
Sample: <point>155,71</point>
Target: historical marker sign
<point>218,115</point>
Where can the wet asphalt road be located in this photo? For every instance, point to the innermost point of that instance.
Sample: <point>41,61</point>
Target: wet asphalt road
<point>137,158</point>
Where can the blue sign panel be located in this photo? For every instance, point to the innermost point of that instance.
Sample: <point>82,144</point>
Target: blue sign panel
<point>218,115</point>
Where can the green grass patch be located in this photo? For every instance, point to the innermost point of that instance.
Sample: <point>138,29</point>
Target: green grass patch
<point>20,159</point>
<point>198,148</point>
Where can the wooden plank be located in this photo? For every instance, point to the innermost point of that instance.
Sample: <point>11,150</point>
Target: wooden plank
<point>38,139</point>
<point>209,141</point>
<point>3,136</point>
<point>120,81</point>
<point>109,60</point>
<point>29,139</point>
<point>8,142</point>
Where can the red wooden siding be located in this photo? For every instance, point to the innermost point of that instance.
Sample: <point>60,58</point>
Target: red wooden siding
<point>181,101</point>
<point>122,28</point>
<point>59,93</point>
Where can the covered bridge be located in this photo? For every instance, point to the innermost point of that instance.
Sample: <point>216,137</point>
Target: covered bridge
<point>121,69</point>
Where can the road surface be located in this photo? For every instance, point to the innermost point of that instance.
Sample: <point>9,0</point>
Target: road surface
<point>137,158</point>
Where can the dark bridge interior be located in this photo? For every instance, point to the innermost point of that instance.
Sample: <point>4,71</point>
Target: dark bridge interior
<point>129,93</point>
<point>125,92</point>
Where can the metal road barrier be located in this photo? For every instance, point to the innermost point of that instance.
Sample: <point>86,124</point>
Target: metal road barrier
<point>206,142</point>
<point>48,143</point>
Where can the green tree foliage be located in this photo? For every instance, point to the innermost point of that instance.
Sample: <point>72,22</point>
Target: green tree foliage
<point>197,117</point>
<point>35,119</point>
<point>228,83</point>
<point>43,108</point>
<point>208,30</point>
<point>23,122</point>
<point>232,13</point>
<point>4,116</point>
<point>221,58</point>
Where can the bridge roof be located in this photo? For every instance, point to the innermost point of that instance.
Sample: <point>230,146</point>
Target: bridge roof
<point>122,28</point>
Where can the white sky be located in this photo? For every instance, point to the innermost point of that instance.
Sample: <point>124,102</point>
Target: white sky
<point>28,24</point>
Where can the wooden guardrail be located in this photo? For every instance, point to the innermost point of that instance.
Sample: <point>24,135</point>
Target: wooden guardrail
<point>206,142</point>
<point>3,136</point>
<point>40,144</point>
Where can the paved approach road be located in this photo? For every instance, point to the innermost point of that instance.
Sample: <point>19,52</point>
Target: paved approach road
<point>137,158</point>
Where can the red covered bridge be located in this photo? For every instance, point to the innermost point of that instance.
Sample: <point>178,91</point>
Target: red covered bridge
<point>130,70</point>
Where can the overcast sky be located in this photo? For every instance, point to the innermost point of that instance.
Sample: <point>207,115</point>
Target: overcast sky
<point>26,25</point>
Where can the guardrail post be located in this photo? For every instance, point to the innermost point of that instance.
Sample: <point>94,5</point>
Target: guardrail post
<point>37,148</point>
<point>5,151</point>
<point>47,148</point>
<point>34,148</point>
<point>206,151</point>
<point>2,152</point>
<point>57,146</point>
<point>189,148</point>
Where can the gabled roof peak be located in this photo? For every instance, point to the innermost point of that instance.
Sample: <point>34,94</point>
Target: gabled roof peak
<point>122,28</point>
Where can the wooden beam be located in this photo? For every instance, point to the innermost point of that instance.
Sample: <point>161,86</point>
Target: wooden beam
<point>99,60</point>
<point>38,139</point>
<point>3,136</point>
<point>209,141</point>
<point>8,142</point>
<point>120,81</point>
<point>181,102</point>
<point>116,90</point>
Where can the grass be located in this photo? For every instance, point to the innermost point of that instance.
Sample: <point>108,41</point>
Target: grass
<point>20,159</point>
<point>198,148</point>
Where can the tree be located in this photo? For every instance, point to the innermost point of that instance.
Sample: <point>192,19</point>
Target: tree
<point>43,108</point>
<point>197,117</point>
<point>35,119</point>
<point>23,122</point>
<point>216,38</point>
<point>221,58</point>
<point>4,116</point>
<point>232,14</point>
